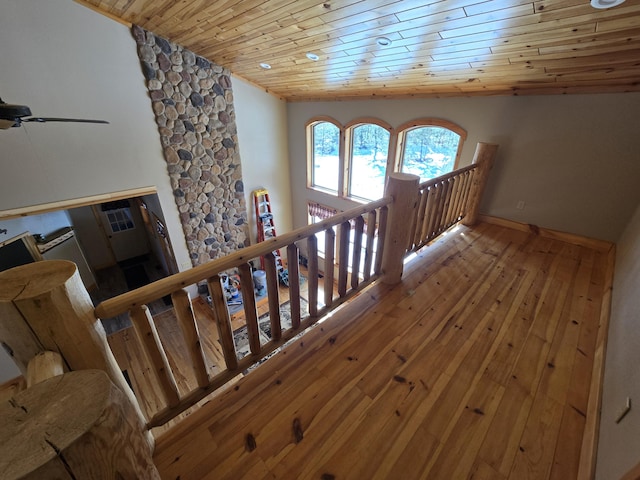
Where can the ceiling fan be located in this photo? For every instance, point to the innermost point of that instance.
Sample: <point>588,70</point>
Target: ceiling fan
<point>14,116</point>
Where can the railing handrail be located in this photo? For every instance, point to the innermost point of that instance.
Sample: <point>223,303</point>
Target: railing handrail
<point>431,182</point>
<point>165,286</point>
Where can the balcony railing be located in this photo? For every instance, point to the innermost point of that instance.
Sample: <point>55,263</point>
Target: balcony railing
<point>407,218</point>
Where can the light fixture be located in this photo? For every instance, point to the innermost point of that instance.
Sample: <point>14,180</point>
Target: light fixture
<point>601,4</point>
<point>383,41</point>
<point>313,56</point>
<point>266,66</point>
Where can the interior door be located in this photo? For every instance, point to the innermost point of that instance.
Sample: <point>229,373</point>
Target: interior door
<point>125,230</point>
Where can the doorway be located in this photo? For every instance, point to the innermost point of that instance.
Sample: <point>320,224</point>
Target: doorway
<point>122,225</point>
<point>151,250</point>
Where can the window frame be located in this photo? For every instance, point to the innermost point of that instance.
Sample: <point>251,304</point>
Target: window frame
<point>309,127</point>
<point>348,154</point>
<point>407,127</point>
<point>395,151</point>
<point>119,216</point>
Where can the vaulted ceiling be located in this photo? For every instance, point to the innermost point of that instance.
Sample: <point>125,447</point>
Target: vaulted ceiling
<point>435,48</point>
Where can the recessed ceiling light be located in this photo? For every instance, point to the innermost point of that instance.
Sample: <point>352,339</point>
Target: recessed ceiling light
<point>266,66</point>
<point>313,56</point>
<point>383,41</point>
<point>605,3</point>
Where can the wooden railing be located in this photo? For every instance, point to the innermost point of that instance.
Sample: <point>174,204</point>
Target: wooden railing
<point>356,263</point>
<point>442,202</point>
<point>451,198</point>
<point>44,306</point>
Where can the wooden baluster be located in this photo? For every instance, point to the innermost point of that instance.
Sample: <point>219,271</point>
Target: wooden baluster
<point>455,189</point>
<point>189,326</point>
<point>484,156</point>
<point>417,227</point>
<point>223,321</point>
<point>428,216</point>
<point>344,232</point>
<point>403,188</point>
<point>444,220</point>
<point>273,295</point>
<point>357,252</point>
<point>467,190</point>
<point>418,237</point>
<point>250,309</point>
<point>442,209</point>
<point>382,235</point>
<point>148,336</point>
<point>293,255</point>
<point>446,195</point>
<point>455,214</point>
<point>433,212</point>
<point>329,263</point>
<point>455,193</point>
<point>368,252</point>
<point>312,248</point>
<point>413,224</point>
<point>468,179</point>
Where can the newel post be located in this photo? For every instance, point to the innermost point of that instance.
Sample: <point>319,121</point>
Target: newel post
<point>45,306</point>
<point>484,157</point>
<point>403,188</point>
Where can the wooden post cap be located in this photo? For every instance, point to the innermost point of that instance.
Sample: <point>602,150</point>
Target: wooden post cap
<point>77,425</point>
<point>45,306</point>
<point>33,279</point>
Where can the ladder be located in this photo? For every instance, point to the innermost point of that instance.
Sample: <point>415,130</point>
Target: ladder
<point>267,229</point>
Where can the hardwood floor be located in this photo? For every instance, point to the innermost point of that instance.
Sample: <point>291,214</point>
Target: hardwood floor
<point>477,365</point>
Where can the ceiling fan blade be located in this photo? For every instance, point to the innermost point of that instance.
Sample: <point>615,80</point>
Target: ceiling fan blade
<point>53,119</point>
<point>6,124</point>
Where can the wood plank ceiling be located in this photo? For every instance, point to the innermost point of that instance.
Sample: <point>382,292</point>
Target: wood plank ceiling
<point>438,48</point>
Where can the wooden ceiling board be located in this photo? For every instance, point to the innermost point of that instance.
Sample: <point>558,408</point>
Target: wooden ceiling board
<point>443,48</point>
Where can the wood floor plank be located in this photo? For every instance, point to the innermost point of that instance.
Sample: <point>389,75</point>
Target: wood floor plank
<point>333,422</point>
<point>503,438</point>
<point>469,431</point>
<point>482,471</point>
<point>535,452</point>
<point>477,365</point>
<point>537,449</point>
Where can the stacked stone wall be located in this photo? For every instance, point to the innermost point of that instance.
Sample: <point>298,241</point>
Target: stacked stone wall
<point>192,100</point>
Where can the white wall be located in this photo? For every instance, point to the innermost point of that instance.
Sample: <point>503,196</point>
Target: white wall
<point>571,158</point>
<point>65,60</point>
<point>62,59</point>
<point>44,224</point>
<point>262,134</point>
<point>91,238</point>
<point>619,444</point>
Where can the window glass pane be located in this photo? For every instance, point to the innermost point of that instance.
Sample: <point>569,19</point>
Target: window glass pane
<point>429,152</point>
<point>120,220</point>
<point>369,149</point>
<point>326,147</point>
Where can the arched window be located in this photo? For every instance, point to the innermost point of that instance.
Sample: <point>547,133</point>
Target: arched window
<point>353,161</point>
<point>429,147</point>
<point>366,167</point>
<point>324,149</point>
